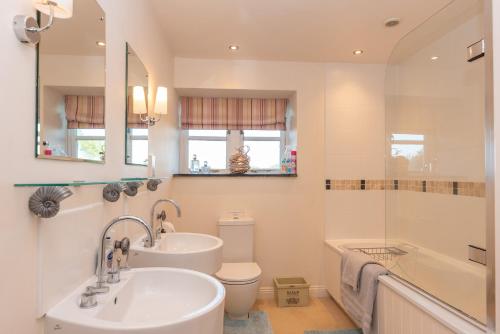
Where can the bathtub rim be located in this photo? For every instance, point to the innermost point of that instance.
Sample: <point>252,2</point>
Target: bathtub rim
<point>472,268</point>
<point>446,314</point>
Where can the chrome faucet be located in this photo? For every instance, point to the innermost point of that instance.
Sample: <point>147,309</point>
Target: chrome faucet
<point>100,285</point>
<point>162,216</point>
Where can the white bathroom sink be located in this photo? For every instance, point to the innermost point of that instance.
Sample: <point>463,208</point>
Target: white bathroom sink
<point>200,252</point>
<point>149,300</point>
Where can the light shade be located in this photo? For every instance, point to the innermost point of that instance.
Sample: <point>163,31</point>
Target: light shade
<point>139,100</point>
<point>63,9</point>
<point>161,104</point>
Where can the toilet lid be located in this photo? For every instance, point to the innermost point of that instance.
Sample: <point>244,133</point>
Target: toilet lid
<point>239,272</point>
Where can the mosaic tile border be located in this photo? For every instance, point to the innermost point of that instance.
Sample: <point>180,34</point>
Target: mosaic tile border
<point>460,188</point>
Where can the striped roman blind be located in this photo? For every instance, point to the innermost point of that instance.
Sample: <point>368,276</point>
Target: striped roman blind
<point>222,113</point>
<point>84,112</point>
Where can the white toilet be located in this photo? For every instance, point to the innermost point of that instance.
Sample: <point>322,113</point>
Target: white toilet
<point>239,274</point>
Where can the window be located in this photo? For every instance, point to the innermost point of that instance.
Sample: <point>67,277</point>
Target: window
<point>138,146</point>
<point>409,147</point>
<point>209,146</point>
<point>216,146</point>
<point>89,143</point>
<point>266,147</point>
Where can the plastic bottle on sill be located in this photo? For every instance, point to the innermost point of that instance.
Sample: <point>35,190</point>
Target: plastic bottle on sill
<point>289,164</point>
<point>284,166</point>
<point>47,151</point>
<point>293,162</point>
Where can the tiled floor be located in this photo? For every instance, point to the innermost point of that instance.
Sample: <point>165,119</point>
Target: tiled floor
<point>322,313</point>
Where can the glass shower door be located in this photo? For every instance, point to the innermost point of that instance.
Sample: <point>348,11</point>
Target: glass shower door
<point>435,166</point>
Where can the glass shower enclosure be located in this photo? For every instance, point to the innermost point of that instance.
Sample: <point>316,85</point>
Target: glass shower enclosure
<point>435,166</point>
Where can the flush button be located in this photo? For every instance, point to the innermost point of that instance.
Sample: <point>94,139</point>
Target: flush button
<point>475,51</point>
<point>477,254</point>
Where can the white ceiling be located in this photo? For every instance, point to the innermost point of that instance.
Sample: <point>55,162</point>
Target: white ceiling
<point>77,35</point>
<point>289,30</point>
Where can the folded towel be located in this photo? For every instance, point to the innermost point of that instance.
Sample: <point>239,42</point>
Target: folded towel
<point>352,265</point>
<point>360,305</point>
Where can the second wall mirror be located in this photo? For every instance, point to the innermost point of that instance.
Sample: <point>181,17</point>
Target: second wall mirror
<point>136,141</point>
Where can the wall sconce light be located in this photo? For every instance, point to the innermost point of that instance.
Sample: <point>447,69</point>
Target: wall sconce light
<point>26,27</point>
<point>139,98</point>
<point>160,106</point>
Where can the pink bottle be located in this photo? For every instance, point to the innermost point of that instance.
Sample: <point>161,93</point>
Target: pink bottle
<point>293,162</point>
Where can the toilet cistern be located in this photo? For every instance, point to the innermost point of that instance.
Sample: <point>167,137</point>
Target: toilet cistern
<point>162,216</point>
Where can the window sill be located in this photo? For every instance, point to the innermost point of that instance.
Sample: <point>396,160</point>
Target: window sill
<point>236,175</point>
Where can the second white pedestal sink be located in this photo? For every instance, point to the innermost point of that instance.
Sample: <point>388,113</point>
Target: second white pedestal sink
<point>200,252</point>
<point>145,301</point>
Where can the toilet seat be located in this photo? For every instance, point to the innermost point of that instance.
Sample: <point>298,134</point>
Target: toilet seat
<point>239,273</point>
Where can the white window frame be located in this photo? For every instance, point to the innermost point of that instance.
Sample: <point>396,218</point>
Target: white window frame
<point>281,139</point>
<point>184,149</point>
<point>131,138</point>
<point>234,139</point>
<point>73,139</point>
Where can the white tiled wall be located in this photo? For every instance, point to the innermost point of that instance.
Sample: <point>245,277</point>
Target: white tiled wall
<point>354,148</point>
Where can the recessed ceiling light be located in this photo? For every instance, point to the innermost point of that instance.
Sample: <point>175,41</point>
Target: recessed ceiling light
<point>392,22</point>
<point>434,58</point>
<point>234,47</point>
<point>100,43</point>
<point>357,52</point>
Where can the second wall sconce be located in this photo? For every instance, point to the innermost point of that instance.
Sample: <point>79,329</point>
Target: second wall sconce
<point>26,27</point>
<point>141,106</point>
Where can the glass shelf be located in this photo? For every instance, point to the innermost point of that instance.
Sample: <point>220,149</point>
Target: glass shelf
<point>85,183</point>
<point>64,184</point>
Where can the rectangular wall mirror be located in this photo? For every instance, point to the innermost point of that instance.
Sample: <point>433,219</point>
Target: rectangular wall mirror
<point>71,86</point>
<point>136,141</point>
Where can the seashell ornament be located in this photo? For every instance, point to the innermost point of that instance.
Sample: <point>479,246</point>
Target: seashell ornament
<point>132,188</point>
<point>152,184</point>
<point>111,192</point>
<point>45,201</point>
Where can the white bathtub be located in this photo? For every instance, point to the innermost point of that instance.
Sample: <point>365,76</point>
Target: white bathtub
<point>402,308</point>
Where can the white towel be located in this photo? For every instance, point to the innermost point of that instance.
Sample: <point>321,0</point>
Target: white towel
<point>352,266</point>
<point>169,227</point>
<point>360,306</point>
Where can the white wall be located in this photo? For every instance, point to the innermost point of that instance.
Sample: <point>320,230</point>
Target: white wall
<point>53,118</point>
<point>290,212</point>
<point>66,245</point>
<point>496,126</point>
<point>354,149</point>
<point>61,70</point>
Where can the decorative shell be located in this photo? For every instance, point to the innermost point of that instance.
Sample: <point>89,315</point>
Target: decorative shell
<point>132,188</point>
<point>239,163</point>
<point>152,184</point>
<point>45,201</point>
<point>111,192</point>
